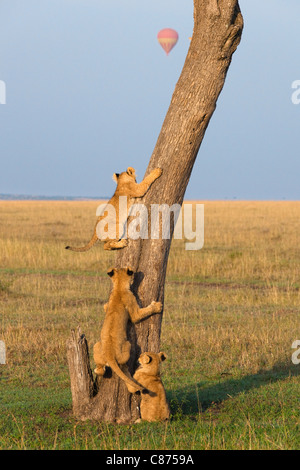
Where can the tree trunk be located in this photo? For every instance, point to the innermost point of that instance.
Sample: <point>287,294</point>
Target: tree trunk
<point>218,27</point>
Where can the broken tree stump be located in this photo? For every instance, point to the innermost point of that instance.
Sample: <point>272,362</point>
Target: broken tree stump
<point>90,395</point>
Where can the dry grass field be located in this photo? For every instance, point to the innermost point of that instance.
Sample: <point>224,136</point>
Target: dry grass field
<point>231,316</point>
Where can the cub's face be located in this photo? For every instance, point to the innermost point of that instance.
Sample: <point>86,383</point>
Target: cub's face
<point>122,276</point>
<point>127,176</point>
<point>149,362</point>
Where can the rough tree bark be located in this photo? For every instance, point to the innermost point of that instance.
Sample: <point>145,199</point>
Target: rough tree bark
<point>217,32</point>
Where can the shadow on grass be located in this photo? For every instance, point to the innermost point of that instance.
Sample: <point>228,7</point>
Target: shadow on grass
<point>200,396</point>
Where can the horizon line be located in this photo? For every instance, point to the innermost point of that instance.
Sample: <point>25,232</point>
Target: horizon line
<point>29,197</point>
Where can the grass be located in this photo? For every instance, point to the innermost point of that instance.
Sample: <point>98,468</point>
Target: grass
<point>231,316</point>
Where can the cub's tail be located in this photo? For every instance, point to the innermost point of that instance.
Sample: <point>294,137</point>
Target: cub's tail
<point>86,247</point>
<point>131,384</point>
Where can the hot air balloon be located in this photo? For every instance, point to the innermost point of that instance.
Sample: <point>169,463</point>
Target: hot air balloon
<point>167,38</point>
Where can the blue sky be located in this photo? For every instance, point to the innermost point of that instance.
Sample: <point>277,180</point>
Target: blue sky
<point>88,87</point>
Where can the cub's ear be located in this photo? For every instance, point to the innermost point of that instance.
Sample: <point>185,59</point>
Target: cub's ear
<point>162,356</point>
<point>116,177</point>
<point>130,171</point>
<point>111,272</point>
<point>145,359</point>
<point>130,271</point>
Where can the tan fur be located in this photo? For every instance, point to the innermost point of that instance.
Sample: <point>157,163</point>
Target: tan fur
<point>113,349</point>
<point>154,405</point>
<point>126,186</point>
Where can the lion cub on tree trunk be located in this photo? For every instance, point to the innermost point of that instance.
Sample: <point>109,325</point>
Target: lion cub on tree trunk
<point>113,349</point>
<point>154,405</point>
<point>128,187</point>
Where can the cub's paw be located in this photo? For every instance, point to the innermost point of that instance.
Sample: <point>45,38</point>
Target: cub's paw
<point>157,172</point>
<point>99,370</point>
<point>156,307</point>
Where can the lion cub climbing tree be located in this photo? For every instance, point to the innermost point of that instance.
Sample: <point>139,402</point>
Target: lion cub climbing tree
<point>113,349</point>
<point>217,32</point>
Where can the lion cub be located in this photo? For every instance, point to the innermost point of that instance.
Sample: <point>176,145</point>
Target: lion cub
<point>113,349</point>
<point>128,187</point>
<point>154,405</point>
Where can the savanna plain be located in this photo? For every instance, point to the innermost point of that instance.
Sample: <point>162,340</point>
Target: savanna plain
<point>231,316</point>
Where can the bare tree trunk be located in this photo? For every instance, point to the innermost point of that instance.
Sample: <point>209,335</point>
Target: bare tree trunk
<point>218,27</point>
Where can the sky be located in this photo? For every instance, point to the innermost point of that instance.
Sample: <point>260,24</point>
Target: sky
<point>87,87</point>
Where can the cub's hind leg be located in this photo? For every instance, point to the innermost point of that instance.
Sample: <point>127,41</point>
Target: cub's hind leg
<point>99,359</point>
<point>123,353</point>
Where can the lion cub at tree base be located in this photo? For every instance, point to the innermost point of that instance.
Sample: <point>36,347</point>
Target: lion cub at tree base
<point>154,405</point>
<point>113,349</point>
<point>128,187</point>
